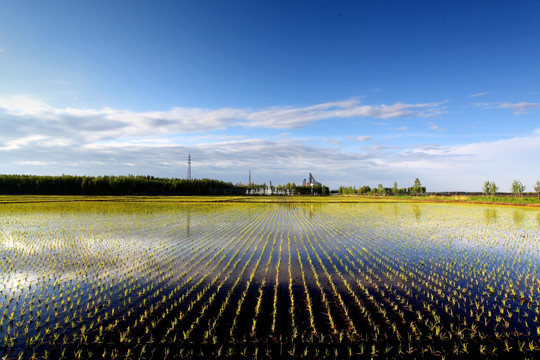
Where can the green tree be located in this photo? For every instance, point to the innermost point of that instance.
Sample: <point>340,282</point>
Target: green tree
<point>493,188</point>
<point>537,188</point>
<point>381,190</point>
<point>517,188</point>
<point>487,187</point>
<point>395,188</point>
<point>417,187</point>
<point>364,190</point>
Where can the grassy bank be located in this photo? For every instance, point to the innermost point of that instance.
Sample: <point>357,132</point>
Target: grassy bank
<point>523,201</point>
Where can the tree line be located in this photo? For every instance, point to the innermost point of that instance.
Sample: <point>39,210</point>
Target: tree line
<point>114,185</point>
<point>287,189</point>
<point>141,185</point>
<point>490,188</point>
<point>416,189</point>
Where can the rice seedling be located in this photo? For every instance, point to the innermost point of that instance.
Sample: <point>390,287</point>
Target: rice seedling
<point>139,279</point>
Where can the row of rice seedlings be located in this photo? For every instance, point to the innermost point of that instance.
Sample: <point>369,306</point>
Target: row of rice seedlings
<point>193,263</point>
<point>350,328</point>
<point>160,283</point>
<point>377,258</point>
<point>197,297</point>
<point>250,252</point>
<point>387,306</point>
<point>472,274</point>
<point>290,285</point>
<point>145,318</point>
<point>210,332</point>
<point>154,323</point>
<point>332,323</point>
<point>262,285</point>
<point>57,285</point>
<point>213,324</point>
<point>276,284</point>
<point>432,295</point>
<point>160,273</point>
<point>250,280</point>
<point>387,269</point>
<point>318,239</point>
<point>444,299</point>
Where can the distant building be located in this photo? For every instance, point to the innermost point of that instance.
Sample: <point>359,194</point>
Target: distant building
<point>312,181</point>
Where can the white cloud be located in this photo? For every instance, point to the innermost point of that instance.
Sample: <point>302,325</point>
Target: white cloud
<point>478,94</point>
<point>21,142</point>
<point>465,167</point>
<point>36,138</point>
<point>332,141</point>
<point>435,127</point>
<point>25,105</point>
<point>295,117</point>
<point>440,168</point>
<point>518,108</point>
<point>25,114</point>
<point>401,128</point>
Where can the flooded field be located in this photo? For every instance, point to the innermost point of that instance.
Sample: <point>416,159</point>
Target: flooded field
<point>157,280</point>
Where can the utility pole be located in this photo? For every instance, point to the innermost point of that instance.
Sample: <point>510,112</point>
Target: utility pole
<point>189,167</point>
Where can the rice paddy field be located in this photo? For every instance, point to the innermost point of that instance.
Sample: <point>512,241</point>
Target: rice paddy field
<point>170,279</point>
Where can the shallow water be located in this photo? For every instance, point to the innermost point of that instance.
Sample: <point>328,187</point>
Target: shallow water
<point>357,278</point>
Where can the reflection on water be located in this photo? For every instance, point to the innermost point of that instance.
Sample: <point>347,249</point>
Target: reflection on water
<point>188,222</point>
<point>518,217</point>
<point>417,212</point>
<point>490,215</point>
<point>105,255</point>
<point>17,282</point>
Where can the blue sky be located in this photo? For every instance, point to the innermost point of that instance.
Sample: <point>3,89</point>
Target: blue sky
<point>358,93</point>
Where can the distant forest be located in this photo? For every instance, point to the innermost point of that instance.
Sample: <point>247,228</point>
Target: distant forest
<point>140,185</point>
<point>114,185</point>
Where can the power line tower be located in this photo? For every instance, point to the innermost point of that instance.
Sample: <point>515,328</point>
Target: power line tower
<point>189,167</point>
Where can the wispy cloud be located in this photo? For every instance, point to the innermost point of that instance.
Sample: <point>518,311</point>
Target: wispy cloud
<point>24,114</point>
<point>478,94</point>
<point>332,141</point>
<point>459,167</point>
<point>518,108</point>
<point>21,142</point>
<point>435,127</point>
<point>37,137</point>
<point>295,117</point>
